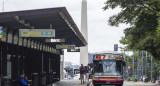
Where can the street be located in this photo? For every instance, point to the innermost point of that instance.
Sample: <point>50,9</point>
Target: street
<point>134,84</point>
<point>77,83</point>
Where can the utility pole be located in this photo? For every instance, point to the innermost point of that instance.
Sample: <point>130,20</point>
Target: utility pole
<point>138,67</point>
<point>146,66</point>
<point>142,66</point>
<point>133,63</point>
<point>151,67</point>
<point>128,62</point>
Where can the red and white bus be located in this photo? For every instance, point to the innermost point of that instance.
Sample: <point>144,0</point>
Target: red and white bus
<point>108,69</point>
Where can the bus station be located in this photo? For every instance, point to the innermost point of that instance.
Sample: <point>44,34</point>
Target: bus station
<point>38,57</point>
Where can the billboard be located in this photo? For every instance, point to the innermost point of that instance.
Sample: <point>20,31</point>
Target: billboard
<point>36,32</point>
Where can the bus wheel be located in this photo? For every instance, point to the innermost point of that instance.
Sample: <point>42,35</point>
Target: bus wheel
<point>119,85</point>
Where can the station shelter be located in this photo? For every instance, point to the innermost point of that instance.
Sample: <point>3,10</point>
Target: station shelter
<point>34,56</point>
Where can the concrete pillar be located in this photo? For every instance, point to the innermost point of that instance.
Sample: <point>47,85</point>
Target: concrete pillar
<point>84,31</point>
<point>62,67</point>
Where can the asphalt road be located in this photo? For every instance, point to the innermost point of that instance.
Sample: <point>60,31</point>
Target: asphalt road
<point>78,83</point>
<point>134,84</point>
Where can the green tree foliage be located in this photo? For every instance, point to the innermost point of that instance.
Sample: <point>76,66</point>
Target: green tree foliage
<point>144,19</point>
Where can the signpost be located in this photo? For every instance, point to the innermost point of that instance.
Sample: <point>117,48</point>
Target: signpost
<point>55,40</point>
<point>37,32</point>
<point>73,50</point>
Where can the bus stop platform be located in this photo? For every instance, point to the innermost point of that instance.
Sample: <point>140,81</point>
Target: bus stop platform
<point>69,83</point>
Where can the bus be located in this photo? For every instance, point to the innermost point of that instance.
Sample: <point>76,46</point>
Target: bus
<point>108,69</point>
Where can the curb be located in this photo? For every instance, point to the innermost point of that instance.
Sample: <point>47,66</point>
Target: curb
<point>88,84</point>
<point>139,82</point>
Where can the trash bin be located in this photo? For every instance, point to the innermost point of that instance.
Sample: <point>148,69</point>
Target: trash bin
<point>42,79</point>
<point>34,79</point>
<point>6,81</point>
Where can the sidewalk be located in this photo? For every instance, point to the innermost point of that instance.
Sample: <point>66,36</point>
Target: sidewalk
<point>69,83</point>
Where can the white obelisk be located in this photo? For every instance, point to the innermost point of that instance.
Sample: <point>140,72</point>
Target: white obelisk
<point>84,31</point>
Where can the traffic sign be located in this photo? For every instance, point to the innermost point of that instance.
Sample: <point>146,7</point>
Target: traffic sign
<point>1,36</point>
<point>65,46</point>
<point>37,32</point>
<point>55,40</point>
<point>115,47</point>
<point>73,50</point>
<point>1,28</point>
<point>1,32</point>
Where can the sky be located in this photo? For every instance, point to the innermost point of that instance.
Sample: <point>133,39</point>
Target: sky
<point>101,36</point>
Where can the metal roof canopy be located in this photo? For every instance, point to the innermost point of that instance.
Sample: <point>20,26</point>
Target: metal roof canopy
<point>58,17</point>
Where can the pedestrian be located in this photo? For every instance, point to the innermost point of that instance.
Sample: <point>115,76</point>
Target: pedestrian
<point>87,72</point>
<point>82,71</point>
<point>22,80</point>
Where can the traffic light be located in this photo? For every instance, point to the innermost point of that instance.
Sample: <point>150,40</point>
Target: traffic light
<point>135,59</point>
<point>115,47</point>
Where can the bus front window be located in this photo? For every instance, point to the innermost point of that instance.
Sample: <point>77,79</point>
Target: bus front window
<point>108,67</point>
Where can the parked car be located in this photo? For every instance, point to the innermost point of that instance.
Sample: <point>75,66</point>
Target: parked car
<point>76,76</point>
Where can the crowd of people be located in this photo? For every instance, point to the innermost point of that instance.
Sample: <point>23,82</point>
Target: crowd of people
<point>84,72</point>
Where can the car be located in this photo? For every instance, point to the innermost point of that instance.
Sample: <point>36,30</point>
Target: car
<point>76,76</point>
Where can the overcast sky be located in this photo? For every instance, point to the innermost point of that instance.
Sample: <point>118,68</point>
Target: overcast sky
<point>101,36</point>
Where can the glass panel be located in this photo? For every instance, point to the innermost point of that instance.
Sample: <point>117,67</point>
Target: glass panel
<point>20,41</point>
<point>50,50</point>
<point>29,44</point>
<point>107,67</point>
<point>38,46</point>
<point>15,40</point>
<point>25,42</point>
<point>35,45</point>
<point>9,38</point>
<point>9,69</point>
<point>4,36</point>
<point>32,44</point>
<point>44,47</point>
<point>9,66</point>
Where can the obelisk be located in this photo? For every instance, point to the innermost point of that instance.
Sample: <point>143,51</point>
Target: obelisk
<point>84,31</point>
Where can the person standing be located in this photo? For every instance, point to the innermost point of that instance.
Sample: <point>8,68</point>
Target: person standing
<point>87,72</point>
<point>82,72</point>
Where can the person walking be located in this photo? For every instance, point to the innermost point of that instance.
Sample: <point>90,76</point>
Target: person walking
<point>82,72</point>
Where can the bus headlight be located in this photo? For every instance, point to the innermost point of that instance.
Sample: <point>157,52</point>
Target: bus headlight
<point>120,78</point>
<point>94,78</point>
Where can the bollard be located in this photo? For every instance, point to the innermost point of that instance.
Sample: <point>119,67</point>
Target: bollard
<point>0,81</point>
<point>6,81</point>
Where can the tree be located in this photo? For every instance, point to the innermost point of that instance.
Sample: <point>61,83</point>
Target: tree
<point>144,19</point>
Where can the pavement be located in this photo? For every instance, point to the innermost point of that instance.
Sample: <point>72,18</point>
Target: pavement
<point>69,83</point>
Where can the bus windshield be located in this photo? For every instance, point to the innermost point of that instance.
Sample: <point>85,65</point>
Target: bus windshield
<point>108,67</point>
